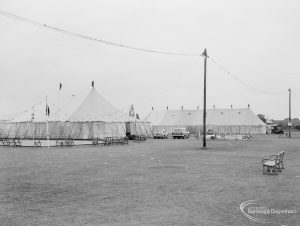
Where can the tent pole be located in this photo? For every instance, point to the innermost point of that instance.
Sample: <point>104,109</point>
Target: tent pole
<point>47,116</point>
<point>33,124</point>
<point>59,94</point>
<point>290,117</point>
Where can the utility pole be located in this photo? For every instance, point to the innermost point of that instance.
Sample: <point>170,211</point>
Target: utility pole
<point>204,54</point>
<point>290,117</point>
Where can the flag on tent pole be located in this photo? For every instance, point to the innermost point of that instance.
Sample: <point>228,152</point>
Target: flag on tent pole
<point>47,110</point>
<point>32,120</point>
<point>47,114</point>
<point>32,115</point>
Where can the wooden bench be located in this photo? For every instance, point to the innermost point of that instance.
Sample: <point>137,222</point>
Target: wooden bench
<point>3,142</point>
<point>59,143</point>
<point>66,142</point>
<point>37,143</point>
<point>107,141</point>
<point>273,164</point>
<point>95,141</point>
<point>17,142</point>
<point>143,138</point>
<point>7,142</point>
<point>115,140</point>
<point>69,142</point>
<point>136,138</point>
<point>124,140</point>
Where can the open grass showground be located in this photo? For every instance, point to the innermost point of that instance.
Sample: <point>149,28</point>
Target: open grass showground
<point>158,182</point>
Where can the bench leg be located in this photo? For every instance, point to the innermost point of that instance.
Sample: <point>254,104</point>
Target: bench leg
<point>272,169</point>
<point>278,168</point>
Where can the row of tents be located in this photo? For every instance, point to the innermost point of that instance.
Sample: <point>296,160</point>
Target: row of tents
<point>84,117</point>
<point>90,116</point>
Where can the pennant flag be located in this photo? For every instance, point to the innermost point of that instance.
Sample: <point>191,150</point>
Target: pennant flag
<point>47,110</point>
<point>204,53</point>
<point>60,86</point>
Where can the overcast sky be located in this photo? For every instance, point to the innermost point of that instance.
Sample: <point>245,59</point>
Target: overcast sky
<point>257,41</point>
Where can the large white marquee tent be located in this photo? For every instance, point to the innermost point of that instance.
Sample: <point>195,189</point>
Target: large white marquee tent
<point>85,117</point>
<point>238,121</point>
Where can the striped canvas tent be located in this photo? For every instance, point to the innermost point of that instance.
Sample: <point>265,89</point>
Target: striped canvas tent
<point>86,116</point>
<point>241,121</point>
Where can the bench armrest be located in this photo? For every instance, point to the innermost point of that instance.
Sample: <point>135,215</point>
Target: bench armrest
<point>265,160</point>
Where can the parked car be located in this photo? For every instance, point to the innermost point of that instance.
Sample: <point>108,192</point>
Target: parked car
<point>276,129</point>
<point>180,133</point>
<point>210,134</point>
<point>160,134</point>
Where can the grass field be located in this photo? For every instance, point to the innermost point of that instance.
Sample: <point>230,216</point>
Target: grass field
<point>159,182</point>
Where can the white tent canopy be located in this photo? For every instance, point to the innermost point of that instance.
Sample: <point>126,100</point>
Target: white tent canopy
<point>95,108</point>
<point>83,116</point>
<point>83,107</point>
<point>242,120</point>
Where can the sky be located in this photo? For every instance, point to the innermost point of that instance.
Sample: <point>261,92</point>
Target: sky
<point>256,42</point>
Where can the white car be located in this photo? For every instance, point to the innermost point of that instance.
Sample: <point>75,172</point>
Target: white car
<point>180,133</point>
<point>160,134</point>
<point>209,135</point>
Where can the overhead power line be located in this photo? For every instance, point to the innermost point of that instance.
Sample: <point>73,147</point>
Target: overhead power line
<point>242,82</point>
<point>74,34</point>
<point>12,116</point>
<point>38,24</point>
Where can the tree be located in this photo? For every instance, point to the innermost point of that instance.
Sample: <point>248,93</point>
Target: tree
<point>297,127</point>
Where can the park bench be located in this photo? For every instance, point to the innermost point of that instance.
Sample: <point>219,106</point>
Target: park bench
<point>3,142</point>
<point>115,140</point>
<point>107,141</point>
<point>123,140</point>
<point>17,142</point>
<point>136,138</point>
<point>37,143</point>
<point>69,142</point>
<point>66,142</point>
<point>59,143</point>
<point>7,142</point>
<point>95,141</point>
<point>139,138</point>
<point>273,164</point>
<point>143,138</point>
